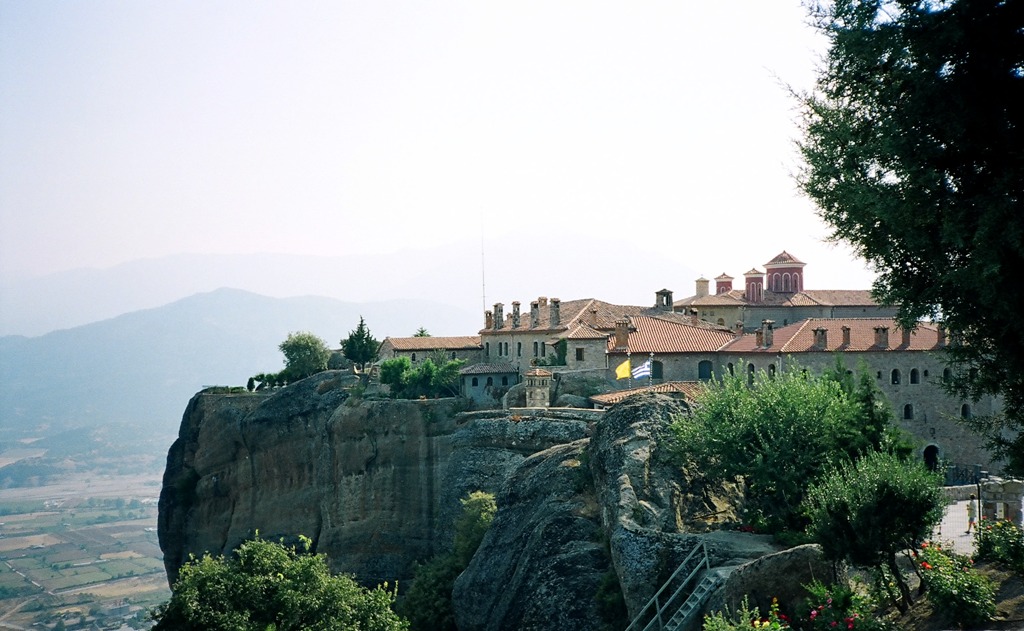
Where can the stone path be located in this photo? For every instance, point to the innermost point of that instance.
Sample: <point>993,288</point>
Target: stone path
<point>953,529</point>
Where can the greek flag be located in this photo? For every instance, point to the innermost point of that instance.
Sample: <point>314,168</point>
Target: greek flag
<point>643,370</point>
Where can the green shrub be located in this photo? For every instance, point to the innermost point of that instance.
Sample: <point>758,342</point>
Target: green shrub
<point>839,607</point>
<point>954,587</point>
<point>1001,541</point>
<point>747,618</point>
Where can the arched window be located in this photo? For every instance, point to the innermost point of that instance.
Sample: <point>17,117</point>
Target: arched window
<point>535,349</point>
<point>721,321</point>
<point>908,412</point>
<point>453,354</point>
<point>487,349</point>
<point>965,411</point>
<point>476,382</point>
<point>771,371</point>
<point>414,357</point>
<point>785,282</point>
<point>750,374</point>
<point>506,349</point>
<point>704,370</point>
<point>947,375</point>
<point>504,380</point>
<point>657,370</point>
<point>730,369</point>
<point>931,457</point>
<point>490,381</point>
<point>914,376</point>
<point>519,349</point>
<point>895,376</point>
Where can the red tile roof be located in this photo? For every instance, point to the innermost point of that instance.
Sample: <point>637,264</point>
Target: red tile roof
<point>688,389</point>
<point>672,334</point>
<point>799,337</point>
<point>784,258</point>
<point>583,332</point>
<point>466,342</point>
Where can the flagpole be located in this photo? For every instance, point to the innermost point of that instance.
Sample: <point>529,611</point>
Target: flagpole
<point>652,369</point>
<point>630,383</point>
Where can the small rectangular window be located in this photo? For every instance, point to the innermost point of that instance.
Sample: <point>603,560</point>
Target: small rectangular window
<point>579,354</point>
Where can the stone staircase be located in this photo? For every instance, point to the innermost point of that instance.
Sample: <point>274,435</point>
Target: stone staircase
<point>673,608</point>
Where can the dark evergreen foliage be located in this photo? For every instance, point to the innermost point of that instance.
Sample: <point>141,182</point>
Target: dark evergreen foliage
<point>360,346</point>
<point>914,153</point>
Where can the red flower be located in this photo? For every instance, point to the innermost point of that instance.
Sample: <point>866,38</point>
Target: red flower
<point>926,565</point>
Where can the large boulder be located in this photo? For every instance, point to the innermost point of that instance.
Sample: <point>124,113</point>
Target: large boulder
<point>781,575</point>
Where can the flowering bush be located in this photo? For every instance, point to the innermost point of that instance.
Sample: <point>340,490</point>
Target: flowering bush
<point>838,607</point>
<point>747,618</point>
<point>1001,541</point>
<point>954,587</point>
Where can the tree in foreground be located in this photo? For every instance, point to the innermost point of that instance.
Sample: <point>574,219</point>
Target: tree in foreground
<point>305,354</point>
<point>913,153</point>
<point>779,435</point>
<point>869,511</point>
<point>268,586</point>
<point>360,347</point>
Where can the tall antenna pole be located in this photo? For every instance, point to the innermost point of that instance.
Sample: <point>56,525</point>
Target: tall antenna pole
<point>483,272</point>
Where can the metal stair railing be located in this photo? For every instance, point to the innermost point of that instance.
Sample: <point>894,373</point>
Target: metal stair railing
<point>693,602</point>
<point>659,604</point>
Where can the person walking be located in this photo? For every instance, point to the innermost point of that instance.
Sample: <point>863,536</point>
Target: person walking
<point>972,513</point>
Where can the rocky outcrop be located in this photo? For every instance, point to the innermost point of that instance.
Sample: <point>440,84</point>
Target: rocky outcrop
<point>542,560</point>
<point>375,485</point>
<point>570,515</point>
<point>584,497</point>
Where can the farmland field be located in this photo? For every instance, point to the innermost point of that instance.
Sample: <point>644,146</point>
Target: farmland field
<point>78,542</point>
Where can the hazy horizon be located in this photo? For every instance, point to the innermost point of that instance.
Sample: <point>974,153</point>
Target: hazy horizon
<point>141,131</point>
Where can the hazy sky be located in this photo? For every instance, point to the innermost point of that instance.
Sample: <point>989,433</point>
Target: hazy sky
<point>140,129</point>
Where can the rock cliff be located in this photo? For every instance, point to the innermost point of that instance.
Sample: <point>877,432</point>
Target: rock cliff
<point>374,484</point>
<point>585,498</point>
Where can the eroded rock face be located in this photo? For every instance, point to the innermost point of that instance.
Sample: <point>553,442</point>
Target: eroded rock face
<point>560,507</point>
<point>375,485</point>
<point>542,560</point>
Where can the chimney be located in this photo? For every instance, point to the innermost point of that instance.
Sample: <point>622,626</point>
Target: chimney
<point>515,314</point>
<point>759,337</point>
<point>769,332</point>
<point>723,283</point>
<point>663,300</point>
<point>942,336</point>
<point>542,301</point>
<point>821,338</point>
<point>592,319</point>
<point>534,314</point>
<point>906,337</point>
<point>488,319</point>
<point>702,287</point>
<point>846,335</point>
<point>738,328</point>
<point>621,333</point>
<point>882,336</point>
<point>554,316</point>
<point>499,315</point>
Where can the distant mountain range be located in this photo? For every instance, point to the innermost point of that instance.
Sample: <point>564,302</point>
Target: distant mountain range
<point>516,269</point>
<point>142,367</point>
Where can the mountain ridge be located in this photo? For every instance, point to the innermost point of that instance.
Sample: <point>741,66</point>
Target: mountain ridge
<point>138,367</point>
